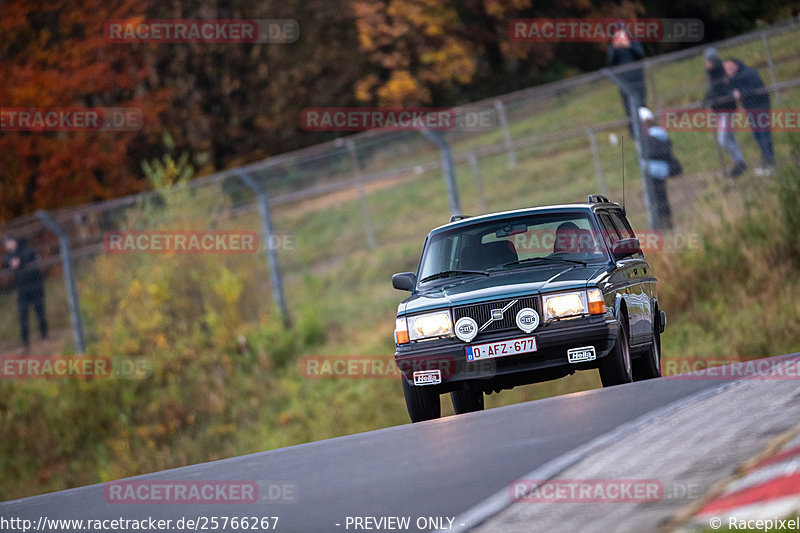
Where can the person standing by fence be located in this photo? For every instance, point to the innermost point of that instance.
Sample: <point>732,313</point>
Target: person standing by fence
<point>30,287</point>
<point>719,99</point>
<point>749,89</point>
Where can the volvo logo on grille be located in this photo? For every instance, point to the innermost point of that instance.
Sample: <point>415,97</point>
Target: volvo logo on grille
<point>527,319</point>
<point>466,329</point>
<point>497,314</point>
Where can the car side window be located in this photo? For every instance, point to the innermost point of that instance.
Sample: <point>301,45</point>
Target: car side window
<point>622,225</point>
<point>610,232</point>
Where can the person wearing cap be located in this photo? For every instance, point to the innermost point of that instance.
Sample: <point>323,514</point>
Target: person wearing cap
<point>748,87</point>
<point>28,281</point>
<point>719,99</point>
<point>624,50</point>
<point>659,163</point>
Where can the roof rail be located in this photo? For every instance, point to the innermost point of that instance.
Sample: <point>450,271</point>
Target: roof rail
<point>598,199</point>
<point>455,218</point>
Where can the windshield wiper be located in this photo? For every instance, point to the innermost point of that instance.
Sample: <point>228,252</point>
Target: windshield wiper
<point>446,273</point>
<point>547,258</point>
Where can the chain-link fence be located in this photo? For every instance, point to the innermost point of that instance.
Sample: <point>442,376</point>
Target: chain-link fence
<point>344,215</point>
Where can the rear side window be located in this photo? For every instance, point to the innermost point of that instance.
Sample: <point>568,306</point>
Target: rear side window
<point>622,224</point>
<point>610,232</point>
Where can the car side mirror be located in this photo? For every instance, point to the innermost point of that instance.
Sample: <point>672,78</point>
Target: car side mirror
<point>625,247</point>
<point>404,281</point>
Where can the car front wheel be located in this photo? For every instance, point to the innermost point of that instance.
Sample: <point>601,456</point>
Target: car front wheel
<point>422,403</point>
<point>615,368</point>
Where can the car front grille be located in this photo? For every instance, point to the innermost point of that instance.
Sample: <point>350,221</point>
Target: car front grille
<point>482,312</point>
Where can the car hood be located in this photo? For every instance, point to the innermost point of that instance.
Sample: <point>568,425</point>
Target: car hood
<point>523,281</point>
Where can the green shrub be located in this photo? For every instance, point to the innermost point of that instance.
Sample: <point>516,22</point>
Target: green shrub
<point>788,184</point>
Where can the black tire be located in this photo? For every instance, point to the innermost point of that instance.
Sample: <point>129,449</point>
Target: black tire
<point>422,402</point>
<point>616,367</point>
<point>648,366</point>
<point>467,400</point>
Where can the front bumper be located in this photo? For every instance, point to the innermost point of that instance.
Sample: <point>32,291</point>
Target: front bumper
<point>548,362</point>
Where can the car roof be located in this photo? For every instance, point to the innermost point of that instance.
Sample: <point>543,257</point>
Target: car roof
<point>527,210</point>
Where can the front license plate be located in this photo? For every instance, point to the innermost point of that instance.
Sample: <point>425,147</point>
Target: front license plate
<point>579,355</point>
<point>491,350</point>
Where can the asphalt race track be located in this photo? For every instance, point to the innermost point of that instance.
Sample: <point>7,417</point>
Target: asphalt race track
<point>438,469</point>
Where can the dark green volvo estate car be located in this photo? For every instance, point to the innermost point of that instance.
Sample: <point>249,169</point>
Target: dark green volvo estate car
<point>524,296</point>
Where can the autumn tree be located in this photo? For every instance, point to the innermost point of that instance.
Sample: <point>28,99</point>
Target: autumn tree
<point>444,53</point>
<point>239,103</point>
<point>54,56</point>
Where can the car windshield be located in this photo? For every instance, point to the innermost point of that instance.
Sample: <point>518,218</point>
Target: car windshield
<point>523,241</point>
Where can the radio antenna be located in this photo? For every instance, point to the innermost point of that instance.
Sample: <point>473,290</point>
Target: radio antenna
<point>622,160</point>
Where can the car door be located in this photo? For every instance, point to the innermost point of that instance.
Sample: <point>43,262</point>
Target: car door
<point>642,288</point>
<point>625,279</point>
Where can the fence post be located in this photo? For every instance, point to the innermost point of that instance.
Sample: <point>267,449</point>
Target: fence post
<point>503,121</point>
<point>272,255</point>
<point>362,199</point>
<point>653,220</point>
<point>69,280</point>
<point>598,166</point>
<point>476,172</point>
<point>770,65</point>
<point>448,168</point>
<point>650,77</point>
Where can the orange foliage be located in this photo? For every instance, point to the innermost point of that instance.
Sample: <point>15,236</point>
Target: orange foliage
<point>417,45</point>
<point>55,56</point>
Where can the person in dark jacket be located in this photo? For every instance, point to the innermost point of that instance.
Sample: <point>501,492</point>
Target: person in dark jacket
<point>750,90</point>
<point>28,280</point>
<point>622,51</point>
<point>721,101</point>
<point>660,164</point>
